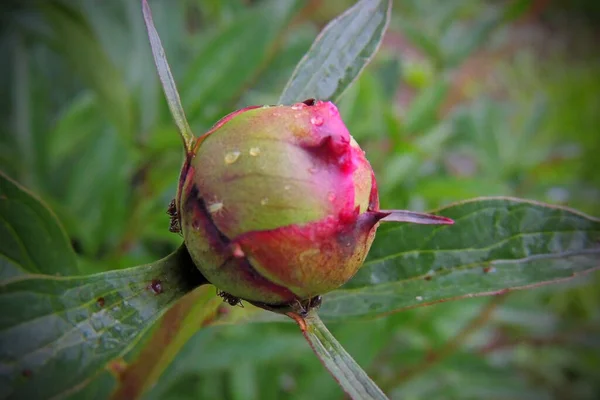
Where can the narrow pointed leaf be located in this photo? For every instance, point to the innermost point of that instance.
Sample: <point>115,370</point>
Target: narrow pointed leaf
<point>495,244</point>
<point>349,375</point>
<point>31,239</point>
<point>166,78</point>
<point>340,52</point>
<point>415,217</point>
<point>50,324</point>
<point>72,35</point>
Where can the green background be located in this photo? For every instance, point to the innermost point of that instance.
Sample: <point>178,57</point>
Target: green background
<point>464,99</point>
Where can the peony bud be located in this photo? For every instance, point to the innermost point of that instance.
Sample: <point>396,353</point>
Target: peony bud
<point>278,204</point>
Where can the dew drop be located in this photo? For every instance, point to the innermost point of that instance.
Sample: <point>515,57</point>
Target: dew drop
<point>333,111</point>
<point>287,187</point>
<point>232,157</point>
<point>298,106</point>
<point>264,201</point>
<point>254,151</point>
<point>313,170</point>
<point>331,196</point>
<point>419,298</point>
<point>237,251</point>
<point>196,224</point>
<point>215,207</point>
<point>316,120</point>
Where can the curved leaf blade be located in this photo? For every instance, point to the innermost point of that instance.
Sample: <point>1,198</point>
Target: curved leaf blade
<point>50,325</point>
<point>167,80</point>
<point>340,52</point>
<point>74,37</point>
<point>172,332</point>
<point>495,245</point>
<point>348,374</point>
<point>31,238</point>
<point>209,91</point>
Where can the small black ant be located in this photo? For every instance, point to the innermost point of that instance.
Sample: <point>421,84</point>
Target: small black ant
<point>174,225</point>
<point>230,299</point>
<point>302,308</point>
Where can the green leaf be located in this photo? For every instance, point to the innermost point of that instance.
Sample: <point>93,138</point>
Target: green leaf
<point>31,239</point>
<point>419,38</point>
<point>349,375</point>
<point>458,47</point>
<point>216,78</point>
<point>173,331</point>
<point>496,244</point>
<point>166,78</point>
<point>339,53</point>
<point>223,348</point>
<point>421,114</point>
<point>90,180</point>
<point>58,333</point>
<point>75,39</point>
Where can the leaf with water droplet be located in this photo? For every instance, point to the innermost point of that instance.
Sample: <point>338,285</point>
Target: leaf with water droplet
<point>495,244</point>
<point>80,323</point>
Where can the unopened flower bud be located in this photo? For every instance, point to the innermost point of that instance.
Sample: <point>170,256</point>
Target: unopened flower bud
<point>278,204</point>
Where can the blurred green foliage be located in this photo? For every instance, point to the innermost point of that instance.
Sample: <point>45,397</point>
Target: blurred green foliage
<point>465,99</point>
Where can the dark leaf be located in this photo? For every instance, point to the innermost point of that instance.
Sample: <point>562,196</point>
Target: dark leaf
<point>496,244</point>
<point>31,239</point>
<point>58,333</point>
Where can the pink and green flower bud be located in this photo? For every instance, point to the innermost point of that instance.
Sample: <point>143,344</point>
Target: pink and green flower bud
<point>279,204</point>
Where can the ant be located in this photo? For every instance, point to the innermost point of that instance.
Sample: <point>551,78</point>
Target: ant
<point>174,225</point>
<point>230,299</point>
<point>303,307</point>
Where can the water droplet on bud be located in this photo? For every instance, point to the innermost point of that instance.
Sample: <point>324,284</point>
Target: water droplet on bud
<point>316,120</point>
<point>231,157</point>
<point>298,106</point>
<point>313,170</point>
<point>215,207</point>
<point>237,251</point>
<point>264,201</point>
<point>287,187</point>
<point>254,151</point>
<point>331,196</point>
<point>333,111</point>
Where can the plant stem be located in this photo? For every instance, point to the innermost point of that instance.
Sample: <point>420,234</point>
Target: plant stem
<point>348,374</point>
